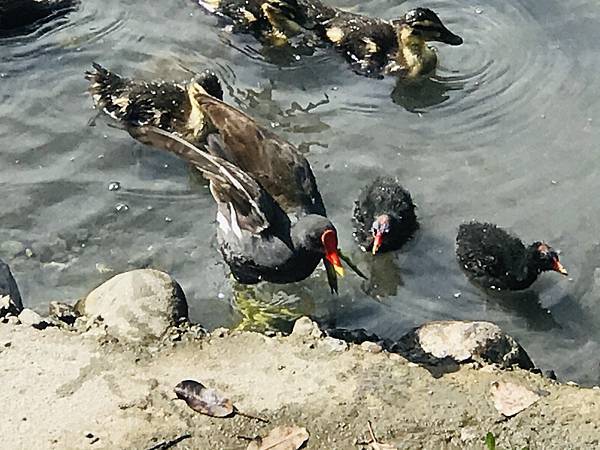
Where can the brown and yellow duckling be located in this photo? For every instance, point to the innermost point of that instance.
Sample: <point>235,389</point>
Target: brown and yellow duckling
<point>168,105</point>
<point>374,47</point>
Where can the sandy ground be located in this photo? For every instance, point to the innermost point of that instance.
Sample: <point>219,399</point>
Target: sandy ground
<point>63,390</point>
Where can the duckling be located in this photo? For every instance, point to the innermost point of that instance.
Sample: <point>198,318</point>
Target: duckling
<point>170,106</point>
<point>376,47</point>
<point>373,47</point>
<point>20,15</point>
<point>384,216</point>
<point>272,22</point>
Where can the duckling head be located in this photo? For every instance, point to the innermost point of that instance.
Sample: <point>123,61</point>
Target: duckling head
<point>423,24</point>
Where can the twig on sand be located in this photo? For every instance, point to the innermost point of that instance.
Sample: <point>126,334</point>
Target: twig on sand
<point>164,445</point>
<point>250,416</point>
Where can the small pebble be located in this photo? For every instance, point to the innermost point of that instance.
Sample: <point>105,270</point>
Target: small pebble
<point>168,219</point>
<point>114,186</point>
<point>478,10</point>
<point>121,207</point>
<point>457,295</point>
<point>28,252</point>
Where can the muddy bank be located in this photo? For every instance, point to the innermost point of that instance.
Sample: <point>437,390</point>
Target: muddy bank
<point>70,390</point>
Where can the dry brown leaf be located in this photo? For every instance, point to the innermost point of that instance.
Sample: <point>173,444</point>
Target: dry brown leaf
<point>281,438</point>
<point>510,398</point>
<point>204,400</point>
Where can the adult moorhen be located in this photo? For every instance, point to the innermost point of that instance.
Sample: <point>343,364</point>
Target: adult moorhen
<point>494,259</point>
<point>384,216</point>
<point>259,240</point>
<point>168,105</point>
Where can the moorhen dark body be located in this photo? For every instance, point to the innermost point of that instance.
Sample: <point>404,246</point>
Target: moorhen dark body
<point>257,238</point>
<point>167,105</point>
<point>21,16</point>
<point>495,259</point>
<point>384,216</point>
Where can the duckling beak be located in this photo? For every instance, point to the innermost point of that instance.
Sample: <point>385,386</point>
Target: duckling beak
<point>448,37</point>
<point>558,267</point>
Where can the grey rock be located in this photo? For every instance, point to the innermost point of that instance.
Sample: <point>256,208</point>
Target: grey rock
<point>137,305</point>
<point>462,342</point>
<point>371,347</point>
<point>333,344</point>
<point>8,286</point>
<point>30,318</point>
<point>304,327</point>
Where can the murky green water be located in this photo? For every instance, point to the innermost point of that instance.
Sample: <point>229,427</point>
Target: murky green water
<point>507,132</point>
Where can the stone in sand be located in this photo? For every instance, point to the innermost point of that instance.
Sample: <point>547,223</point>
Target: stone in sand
<point>137,305</point>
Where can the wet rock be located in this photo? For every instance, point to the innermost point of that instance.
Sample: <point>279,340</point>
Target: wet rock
<point>304,327</point>
<point>462,342</point>
<point>137,305</point>
<point>12,248</point>
<point>8,287</point>
<point>30,318</point>
<point>371,347</point>
<point>63,312</point>
<point>333,344</point>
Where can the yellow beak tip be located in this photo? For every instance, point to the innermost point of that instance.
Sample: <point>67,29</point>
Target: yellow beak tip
<point>339,270</point>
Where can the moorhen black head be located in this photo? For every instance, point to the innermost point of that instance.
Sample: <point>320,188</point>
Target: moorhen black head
<point>257,238</point>
<point>384,216</point>
<point>495,259</point>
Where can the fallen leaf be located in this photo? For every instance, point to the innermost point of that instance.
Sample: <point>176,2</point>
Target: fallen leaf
<point>204,400</point>
<point>281,438</point>
<point>510,398</point>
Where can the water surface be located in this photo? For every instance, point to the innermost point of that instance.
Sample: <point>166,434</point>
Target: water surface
<point>506,132</point>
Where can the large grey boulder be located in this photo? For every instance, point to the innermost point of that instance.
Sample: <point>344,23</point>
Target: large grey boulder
<point>8,287</point>
<point>462,341</point>
<point>137,305</point>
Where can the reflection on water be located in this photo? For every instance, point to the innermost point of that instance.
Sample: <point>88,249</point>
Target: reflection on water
<point>497,122</point>
<point>417,97</point>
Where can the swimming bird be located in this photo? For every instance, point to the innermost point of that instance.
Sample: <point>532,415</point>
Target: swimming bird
<point>258,238</point>
<point>278,248</point>
<point>168,105</point>
<point>495,259</point>
<point>374,47</point>
<point>384,216</point>
<point>18,16</point>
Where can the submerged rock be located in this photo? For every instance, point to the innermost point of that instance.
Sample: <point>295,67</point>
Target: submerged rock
<point>137,305</point>
<point>460,342</point>
<point>63,312</point>
<point>8,287</point>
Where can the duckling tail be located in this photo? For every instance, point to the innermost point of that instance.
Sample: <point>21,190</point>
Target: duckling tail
<point>110,91</point>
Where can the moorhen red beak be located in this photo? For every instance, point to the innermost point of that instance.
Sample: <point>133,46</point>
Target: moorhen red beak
<point>330,243</point>
<point>495,259</point>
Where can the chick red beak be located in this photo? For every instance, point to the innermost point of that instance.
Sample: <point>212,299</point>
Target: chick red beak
<point>330,242</point>
<point>377,241</point>
<point>558,267</point>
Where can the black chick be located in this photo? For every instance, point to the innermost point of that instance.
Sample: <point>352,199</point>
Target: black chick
<point>495,259</point>
<point>384,216</point>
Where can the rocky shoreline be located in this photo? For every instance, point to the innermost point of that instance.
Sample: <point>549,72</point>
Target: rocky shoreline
<point>101,375</point>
